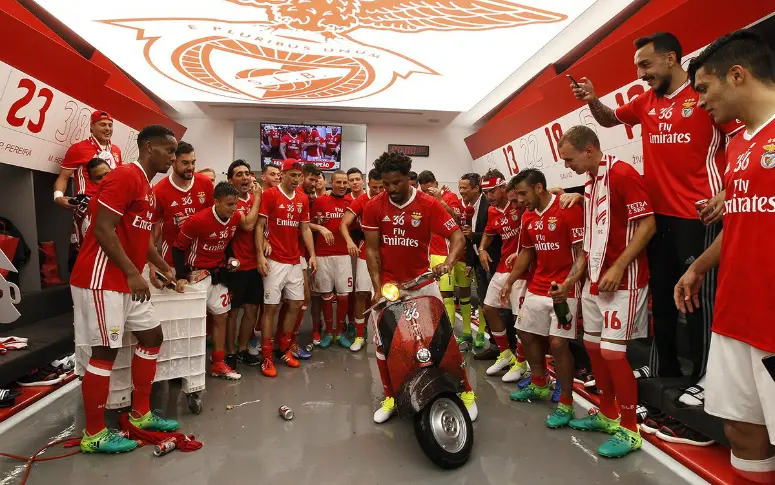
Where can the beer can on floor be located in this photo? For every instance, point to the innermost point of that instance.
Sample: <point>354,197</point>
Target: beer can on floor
<point>700,205</point>
<point>309,347</point>
<point>165,447</point>
<point>286,413</point>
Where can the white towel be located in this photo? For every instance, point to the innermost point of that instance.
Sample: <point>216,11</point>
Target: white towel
<point>597,194</point>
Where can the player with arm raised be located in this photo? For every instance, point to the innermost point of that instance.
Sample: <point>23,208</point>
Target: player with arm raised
<point>398,224</point>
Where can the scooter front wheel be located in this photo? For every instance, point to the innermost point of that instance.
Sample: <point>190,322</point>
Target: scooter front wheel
<point>445,432</point>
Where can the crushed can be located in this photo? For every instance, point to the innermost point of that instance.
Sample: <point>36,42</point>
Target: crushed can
<point>165,447</point>
<point>286,413</point>
<point>233,264</point>
<point>309,347</point>
<point>700,205</point>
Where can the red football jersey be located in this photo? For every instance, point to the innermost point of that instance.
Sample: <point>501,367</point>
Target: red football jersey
<point>356,208</point>
<point>683,156</point>
<point>284,213</point>
<point>405,232</point>
<point>292,147</point>
<point>440,245</point>
<point>274,138</point>
<point>743,295</point>
<point>244,244</point>
<point>331,143</point>
<point>79,154</point>
<point>127,192</point>
<point>330,209</point>
<point>175,204</point>
<point>204,237</point>
<point>506,223</point>
<point>316,150</point>
<point>552,234</point>
<point>629,201</point>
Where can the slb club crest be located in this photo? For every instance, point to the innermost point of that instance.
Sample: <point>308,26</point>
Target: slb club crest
<point>768,158</point>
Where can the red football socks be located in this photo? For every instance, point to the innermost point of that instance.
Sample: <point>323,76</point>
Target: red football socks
<point>520,353</point>
<point>360,327</point>
<point>218,356</point>
<point>384,375</point>
<point>296,327</point>
<point>285,342</point>
<point>280,321</point>
<point>328,313</point>
<point>341,313</point>
<point>95,387</point>
<point>539,381</point>
<point>266,348</point>
<point>143,372</point>
<point>603,380</point>
<point>625,386</point>
<point>501,340</point>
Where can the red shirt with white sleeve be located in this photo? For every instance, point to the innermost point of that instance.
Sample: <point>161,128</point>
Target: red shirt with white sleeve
<point>126,192</point>
<point>629,202</point>
<point>175,204</point>
<point>292,146</point>
<point>743,294</point>
<point>505,222</point>
<point>356,207</point>
<point>243,245</point>
<point>330,209</point>
<point>683,156</point>
<point>440,245</point>
<point>79,155</point>
<point>274,138</point>
<point>405,232</point>
<point>283,215</point>
<point>552,233</point>
<point>204,237</point>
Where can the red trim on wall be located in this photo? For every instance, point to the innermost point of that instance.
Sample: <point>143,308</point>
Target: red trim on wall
<point>609,65</point>
<point>34,49</point>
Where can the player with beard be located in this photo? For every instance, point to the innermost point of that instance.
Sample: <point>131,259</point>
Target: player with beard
<point>402,258</point>
<point>111,296</point>
<point>351,223</point>
<point>334,263</point>
<point>245,284</point>
<point>179,196</point>
<point>618,225</point>
<point>504,219</point>
<point>735,76</point>
<point>674,128</point>
<point>551,238</point>
<point>200,259</point>
<point>285,212</point>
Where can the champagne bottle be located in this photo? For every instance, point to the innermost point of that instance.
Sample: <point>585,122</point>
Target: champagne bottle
<point>561,309</point>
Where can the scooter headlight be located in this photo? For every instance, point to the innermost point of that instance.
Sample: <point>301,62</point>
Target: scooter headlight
<point>423,355</point>
<point>390,291</point>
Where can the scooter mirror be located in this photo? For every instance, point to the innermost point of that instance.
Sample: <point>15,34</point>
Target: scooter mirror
<point>390,291</point>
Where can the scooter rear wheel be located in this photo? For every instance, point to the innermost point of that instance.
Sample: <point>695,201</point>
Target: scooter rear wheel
<point>445,432</point>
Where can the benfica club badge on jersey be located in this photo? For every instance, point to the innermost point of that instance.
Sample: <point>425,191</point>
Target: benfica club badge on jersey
<point>688,108</point>
<point>298,207</point>
<point>552,223</point>
<point>514,215</point>
<point>201,196</point>
<point>768,158</point>
<point>416,219</point>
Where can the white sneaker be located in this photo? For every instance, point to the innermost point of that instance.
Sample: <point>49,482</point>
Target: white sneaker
<point>504,360</point>
<point>469,399</point>
<point>385,411</point>
<point>358,344</point>
<point>516,372</point>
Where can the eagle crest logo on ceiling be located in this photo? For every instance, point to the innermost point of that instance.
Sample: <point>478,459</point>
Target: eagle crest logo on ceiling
<point>303,53</point>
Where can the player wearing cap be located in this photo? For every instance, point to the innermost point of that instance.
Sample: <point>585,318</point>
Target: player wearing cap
<point>200,260</point>
<point>245,284</point>
<point>334,263</point>
<point>504,219</point>
<point>551,238</point>
<point>110,295</point>
<point>439,249</point>
<point>285,212</point>
<point>398,224</point>
<point>179,196</point>
<point>735,78</point>
<point>673,128</point>
<point>618,224</point>
<point>362,284</point>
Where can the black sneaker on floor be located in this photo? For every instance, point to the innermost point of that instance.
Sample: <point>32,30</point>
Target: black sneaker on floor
<point>642,413</point>
<point>247,358</point>
<point>682,434</point>
<point>45,376</point>
<point>656,420</point>
<point>231,361</point>
<point>585,378</point>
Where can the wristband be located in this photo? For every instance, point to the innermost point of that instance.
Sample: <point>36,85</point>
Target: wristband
<point>58,194</point>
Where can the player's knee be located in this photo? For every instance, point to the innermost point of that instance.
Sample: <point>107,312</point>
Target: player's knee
<point>104,353</point>
<point>557,344</point>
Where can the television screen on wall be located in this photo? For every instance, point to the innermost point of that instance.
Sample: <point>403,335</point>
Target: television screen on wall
<point>319,144</point>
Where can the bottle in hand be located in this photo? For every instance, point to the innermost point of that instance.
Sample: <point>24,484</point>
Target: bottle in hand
<point>561,309</point>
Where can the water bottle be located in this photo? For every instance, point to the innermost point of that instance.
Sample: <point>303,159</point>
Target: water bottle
<point>561,309</point>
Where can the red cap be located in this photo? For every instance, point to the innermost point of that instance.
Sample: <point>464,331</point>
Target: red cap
<point>492,182</point>
<point>290,164</point>
<point>100,115</point>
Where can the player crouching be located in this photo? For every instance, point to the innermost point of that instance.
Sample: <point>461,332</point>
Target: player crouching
<point>199,254</point>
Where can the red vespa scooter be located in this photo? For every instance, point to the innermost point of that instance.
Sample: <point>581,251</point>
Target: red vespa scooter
<point>426,371</point>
